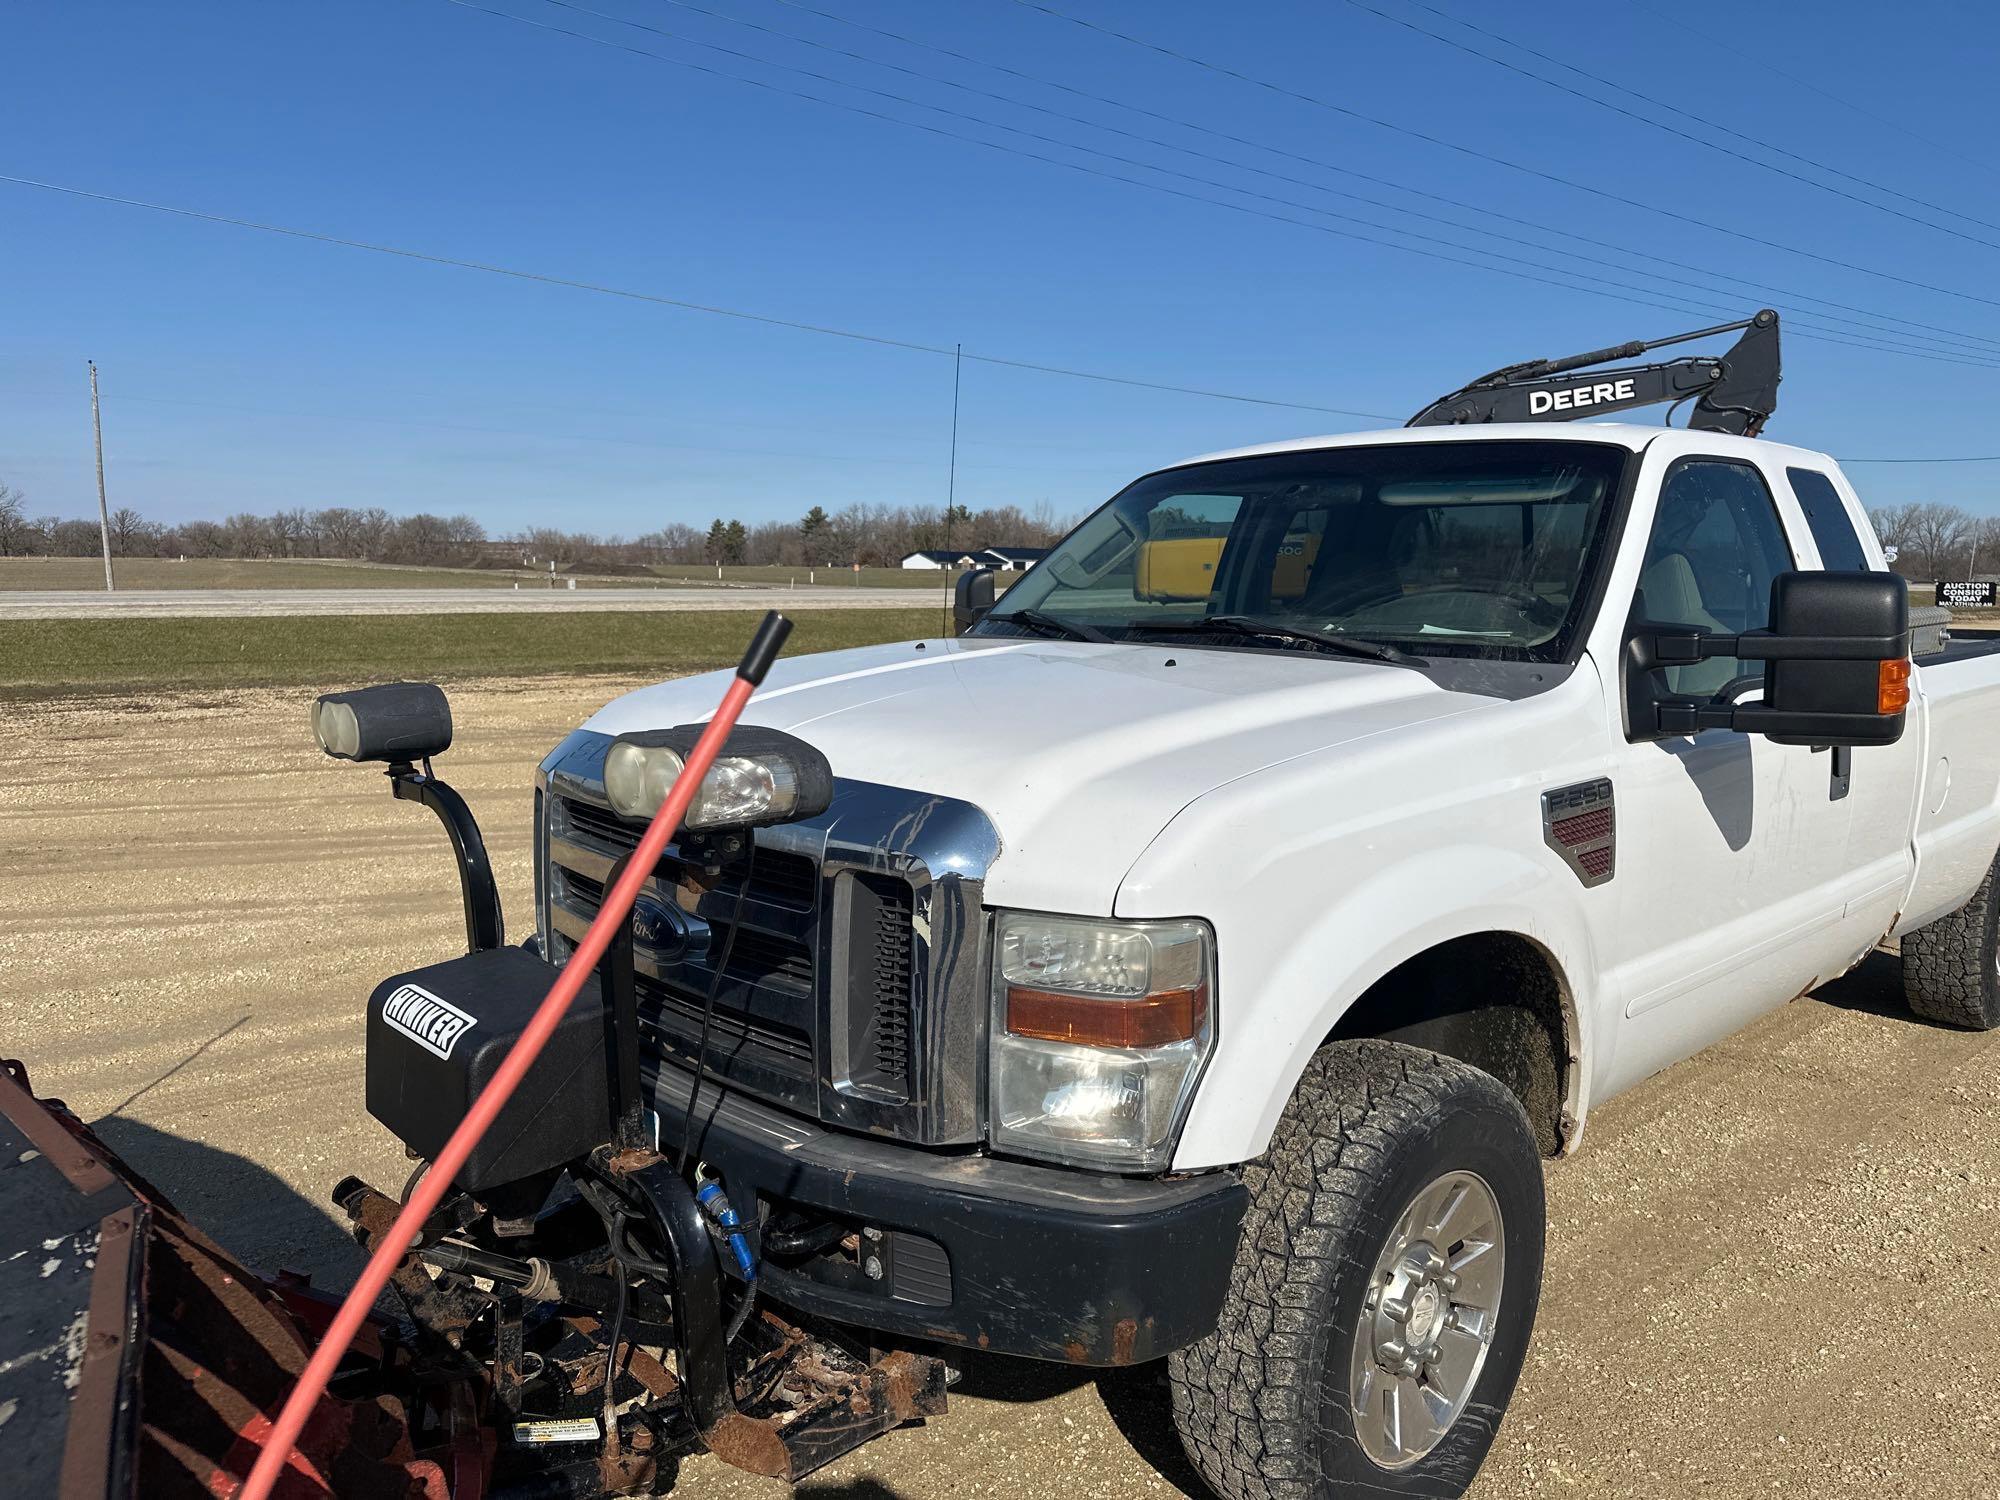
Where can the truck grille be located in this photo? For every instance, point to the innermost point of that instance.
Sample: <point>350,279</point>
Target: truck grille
<point>780,877</point>
<point>854,991</point>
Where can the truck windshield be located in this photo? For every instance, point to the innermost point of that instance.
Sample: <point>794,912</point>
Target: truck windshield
<point>1459,548</point>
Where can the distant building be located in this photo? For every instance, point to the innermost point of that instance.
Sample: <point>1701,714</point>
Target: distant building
<point>1012,559</point>
<point>1000,559</point>
<point>932,557</point>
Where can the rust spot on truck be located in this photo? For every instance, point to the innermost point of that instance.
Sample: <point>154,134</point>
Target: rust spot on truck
<point>1124,1338</point>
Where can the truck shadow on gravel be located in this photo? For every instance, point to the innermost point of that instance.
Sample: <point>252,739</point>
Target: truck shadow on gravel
<point>252,1213</point>
<point>1136,1399</point>
<point>1874,987</point>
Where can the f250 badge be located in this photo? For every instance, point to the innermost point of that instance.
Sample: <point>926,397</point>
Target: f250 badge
<point>1580,822</point>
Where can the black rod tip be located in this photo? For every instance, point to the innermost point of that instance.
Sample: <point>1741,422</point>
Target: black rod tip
<point>764,647</point>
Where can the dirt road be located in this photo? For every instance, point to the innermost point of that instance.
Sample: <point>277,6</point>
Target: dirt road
<point>1772,1270</point>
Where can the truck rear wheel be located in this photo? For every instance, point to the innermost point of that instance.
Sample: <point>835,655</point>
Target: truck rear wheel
<point>1951,969</point>
<point>1384,1289</point>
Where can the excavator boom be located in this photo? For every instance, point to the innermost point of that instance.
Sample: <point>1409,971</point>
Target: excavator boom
<point>1733,392</point>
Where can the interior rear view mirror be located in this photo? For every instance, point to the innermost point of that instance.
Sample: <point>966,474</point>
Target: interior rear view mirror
<point>1837,666</point>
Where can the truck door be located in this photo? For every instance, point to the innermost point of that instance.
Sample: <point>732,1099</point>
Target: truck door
<point>1729,847</point>
<point>1881,784</point>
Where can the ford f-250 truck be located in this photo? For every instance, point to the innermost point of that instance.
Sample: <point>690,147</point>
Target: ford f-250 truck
<point>1204,974</point>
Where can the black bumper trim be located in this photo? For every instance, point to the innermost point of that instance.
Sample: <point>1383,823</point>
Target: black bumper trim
<point>1045,1262</point>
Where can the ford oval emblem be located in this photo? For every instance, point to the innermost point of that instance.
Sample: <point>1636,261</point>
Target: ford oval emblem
<point>666,930</point>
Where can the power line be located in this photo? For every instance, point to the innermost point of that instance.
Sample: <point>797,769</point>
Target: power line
<point>1990,458</point>
<point>1763,288</point>
<point>603,290</point>
<point>1765,65</point>
<point>1950,339</point>
<point>1597,192</point>
<point>1676,131</point>
<point>1649,298</point>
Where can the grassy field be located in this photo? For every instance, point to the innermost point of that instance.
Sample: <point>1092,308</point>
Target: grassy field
<point>42,658</point>
<point>17,573</point>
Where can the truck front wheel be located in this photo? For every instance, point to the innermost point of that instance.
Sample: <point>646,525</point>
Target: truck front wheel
<point>1384,1289</point>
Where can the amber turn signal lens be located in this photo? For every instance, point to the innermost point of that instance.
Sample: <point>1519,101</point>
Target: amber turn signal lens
<point>1143,1021</point>
<point>1892,687</point>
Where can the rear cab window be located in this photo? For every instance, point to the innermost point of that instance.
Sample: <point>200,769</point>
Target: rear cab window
<point>1832,528</point>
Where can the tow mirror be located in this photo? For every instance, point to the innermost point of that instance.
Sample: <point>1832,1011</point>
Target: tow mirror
<point>971,598</point>
<point>1838,673</point>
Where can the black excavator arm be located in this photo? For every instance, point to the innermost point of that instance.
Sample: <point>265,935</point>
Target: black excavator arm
<point>1733,392</point>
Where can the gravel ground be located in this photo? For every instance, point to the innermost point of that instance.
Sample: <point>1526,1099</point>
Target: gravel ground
<point>1771,1269</point>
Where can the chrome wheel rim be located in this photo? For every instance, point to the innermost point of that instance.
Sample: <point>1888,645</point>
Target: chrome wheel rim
<point>1428,1319</point>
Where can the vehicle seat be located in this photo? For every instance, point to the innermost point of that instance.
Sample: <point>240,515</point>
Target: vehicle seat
<point>1672,596</point>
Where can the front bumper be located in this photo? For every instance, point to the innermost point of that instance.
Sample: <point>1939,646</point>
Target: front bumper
<point>1044,1262</point>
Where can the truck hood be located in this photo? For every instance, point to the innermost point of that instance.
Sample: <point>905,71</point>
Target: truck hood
<point>1080,753</point>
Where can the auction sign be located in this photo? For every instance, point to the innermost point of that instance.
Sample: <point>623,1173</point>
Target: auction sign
<point>1965,595</point>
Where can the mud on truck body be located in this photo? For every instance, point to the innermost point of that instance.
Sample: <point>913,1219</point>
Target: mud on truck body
<point>1196,957</point>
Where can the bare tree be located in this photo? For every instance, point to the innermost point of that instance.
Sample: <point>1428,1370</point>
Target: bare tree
<point>15,532</point>
<point>129,532</point>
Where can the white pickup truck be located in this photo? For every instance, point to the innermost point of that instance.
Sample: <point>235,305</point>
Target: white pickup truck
<point>1202,951</point>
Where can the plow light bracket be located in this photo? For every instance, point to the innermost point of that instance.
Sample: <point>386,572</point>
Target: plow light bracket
<point>393,721</point>
<point>401,723</point>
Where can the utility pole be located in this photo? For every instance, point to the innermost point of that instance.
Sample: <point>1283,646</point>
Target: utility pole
<point>103,510</point>
<point>951,486</point>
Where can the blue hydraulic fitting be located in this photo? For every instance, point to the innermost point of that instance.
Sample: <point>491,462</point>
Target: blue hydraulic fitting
<point>715,1202</point>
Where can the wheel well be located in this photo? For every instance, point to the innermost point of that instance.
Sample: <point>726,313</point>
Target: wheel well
<point>1494,1000</point>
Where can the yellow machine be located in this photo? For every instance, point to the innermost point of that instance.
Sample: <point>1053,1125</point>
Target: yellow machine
<point>1183,567</point>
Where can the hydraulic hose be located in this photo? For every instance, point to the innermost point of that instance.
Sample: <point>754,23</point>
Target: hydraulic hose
<point>424,1199</point>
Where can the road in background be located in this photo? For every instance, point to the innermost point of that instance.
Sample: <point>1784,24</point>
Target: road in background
<point>85,604</point>
<point>1769,1269</point>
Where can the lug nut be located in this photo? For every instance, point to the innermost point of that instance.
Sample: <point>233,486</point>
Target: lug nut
<point>1397,1308</point>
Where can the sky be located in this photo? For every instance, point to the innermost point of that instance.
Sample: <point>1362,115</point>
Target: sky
<point>1219,242</point>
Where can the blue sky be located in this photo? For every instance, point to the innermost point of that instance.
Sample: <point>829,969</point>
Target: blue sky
<point>249,371</point>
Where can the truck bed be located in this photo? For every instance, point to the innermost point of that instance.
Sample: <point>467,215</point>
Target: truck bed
<point>1962,645</point>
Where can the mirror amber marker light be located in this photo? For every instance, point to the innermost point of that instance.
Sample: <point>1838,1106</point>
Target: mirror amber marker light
<point>1892,687</point>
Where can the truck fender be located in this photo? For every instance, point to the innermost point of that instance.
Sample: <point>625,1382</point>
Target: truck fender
<point>1308,983</point>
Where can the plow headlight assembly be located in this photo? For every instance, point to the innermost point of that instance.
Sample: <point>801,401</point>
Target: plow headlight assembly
<point>762,776</point>
<point>393,721</point>
<point>1100,1030</point>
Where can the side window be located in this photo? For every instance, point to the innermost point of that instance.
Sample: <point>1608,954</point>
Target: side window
<point>1832,531</point>
<point>1716,545</point>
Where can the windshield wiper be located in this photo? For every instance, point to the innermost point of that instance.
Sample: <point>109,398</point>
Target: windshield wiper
<point>1245,625</point>
<point>1048,624</point>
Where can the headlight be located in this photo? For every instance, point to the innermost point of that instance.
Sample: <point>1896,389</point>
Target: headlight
<point>1100,1030</point>
<point>762,776</point>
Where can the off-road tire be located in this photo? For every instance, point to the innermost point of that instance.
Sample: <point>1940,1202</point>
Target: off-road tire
<point>1262,1405</point>
<point>1951,969</point>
